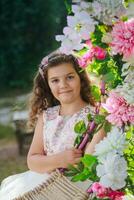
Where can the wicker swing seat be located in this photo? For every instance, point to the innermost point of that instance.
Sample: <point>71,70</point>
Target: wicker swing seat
<point>57,187</point>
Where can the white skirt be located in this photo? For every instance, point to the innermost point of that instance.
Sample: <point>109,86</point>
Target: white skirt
<point>16,185</point>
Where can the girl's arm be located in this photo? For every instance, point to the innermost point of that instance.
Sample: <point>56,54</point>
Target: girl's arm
<point>96,139</point>
<point>37,159</point>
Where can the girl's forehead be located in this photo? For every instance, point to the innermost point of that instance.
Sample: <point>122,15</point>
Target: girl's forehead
<point>61,70</point>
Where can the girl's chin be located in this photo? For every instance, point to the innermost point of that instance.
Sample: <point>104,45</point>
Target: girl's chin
<point>66,100</point>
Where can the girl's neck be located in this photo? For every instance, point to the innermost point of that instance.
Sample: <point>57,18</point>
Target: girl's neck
<point>70,109</point>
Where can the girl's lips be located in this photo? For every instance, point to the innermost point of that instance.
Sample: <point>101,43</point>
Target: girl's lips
<point>65,92</point>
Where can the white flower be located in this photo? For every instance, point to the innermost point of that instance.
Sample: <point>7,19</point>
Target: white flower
<point>107,38</point>
<point>113,171</point>
<point>97,9</point>
<point>130,10</point>
<point>83,6</point>
<point>127,91</point>
<point>68,45</point>
<point>82,23</point>
<point>110,10</point>
<point>114,142</point>
<point>128,197</point>
<point>127,88</point>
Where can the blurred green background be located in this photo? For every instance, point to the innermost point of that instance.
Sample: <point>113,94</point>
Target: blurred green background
<point>27,32</point>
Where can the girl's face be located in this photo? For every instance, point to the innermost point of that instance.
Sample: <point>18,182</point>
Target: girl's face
<point>64,83</point>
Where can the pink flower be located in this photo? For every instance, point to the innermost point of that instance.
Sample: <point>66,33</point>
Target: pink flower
<point>123,39</point>
<point>93,52</point>
<point>131,114</point>
<point>115,195</point>
<point>82,62</point>
<point>86,59</point>
<point>100,190</point>
<point>120,112</point>
<point>99,53</point>
<point>89,44</point>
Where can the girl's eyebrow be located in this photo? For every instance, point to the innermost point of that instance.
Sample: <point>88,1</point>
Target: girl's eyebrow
<point>55,77</point>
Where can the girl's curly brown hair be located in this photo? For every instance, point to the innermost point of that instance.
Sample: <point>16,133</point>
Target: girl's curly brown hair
<point>42,97</point>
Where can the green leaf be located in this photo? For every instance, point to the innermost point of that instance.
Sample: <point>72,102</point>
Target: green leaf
<point>109,77</point>
<point>80,127</point>
<point>70,173</point>
<point>72,168</point>
<point>95,92</point>
<point>89,117</point>
<point>68,7</point>
<point>80,166</point>
<point>77,140</point>
<point>80,177</point>
<point>89,160</point>
<point>107,126</point>
<point>99,119</point>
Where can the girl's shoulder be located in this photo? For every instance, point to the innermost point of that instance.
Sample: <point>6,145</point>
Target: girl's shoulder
<point>51,112</point>
<point>89,109</point>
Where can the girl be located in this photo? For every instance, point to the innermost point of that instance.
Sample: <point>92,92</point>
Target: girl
<point>61,97</point>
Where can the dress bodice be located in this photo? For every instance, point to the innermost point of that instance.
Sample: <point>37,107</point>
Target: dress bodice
<point>58,131</point>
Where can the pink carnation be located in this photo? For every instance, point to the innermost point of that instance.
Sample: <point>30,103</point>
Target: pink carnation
<point>99,53</point>
<point>120,112</point>
<point>123,39</point>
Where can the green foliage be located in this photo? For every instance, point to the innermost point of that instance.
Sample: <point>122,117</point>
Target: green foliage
<point>89,117</point>
<point>96,36</point>
<point>84,170</point>
<point>28,30</point>
<point>95,92</point>
<point>107,68</point>
<point>129,156</point>
<point>80,127</point>
<point>99,119</point>
<point>107,126</point>
<point>68,7</point>
<point>6,132</point>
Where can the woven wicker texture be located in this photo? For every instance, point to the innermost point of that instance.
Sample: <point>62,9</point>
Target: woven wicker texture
<point>58,187</point>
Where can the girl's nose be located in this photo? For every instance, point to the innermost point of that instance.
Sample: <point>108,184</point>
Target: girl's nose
<point>63,83</point>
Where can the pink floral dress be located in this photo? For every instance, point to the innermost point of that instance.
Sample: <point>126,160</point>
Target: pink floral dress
<point>58,135</point>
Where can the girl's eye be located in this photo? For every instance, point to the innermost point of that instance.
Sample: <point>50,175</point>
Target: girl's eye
<point>70,77</point>
<point>55,81</point>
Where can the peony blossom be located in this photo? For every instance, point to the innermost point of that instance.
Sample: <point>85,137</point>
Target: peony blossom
<point>120,112</point>
<point>114,143</point>
<point>112,172</point>
<point>123,39</point>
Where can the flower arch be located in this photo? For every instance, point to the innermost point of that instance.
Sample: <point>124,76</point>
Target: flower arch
<point>100,33</point>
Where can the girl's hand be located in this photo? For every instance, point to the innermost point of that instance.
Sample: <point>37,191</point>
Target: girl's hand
<point>70,156</point>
